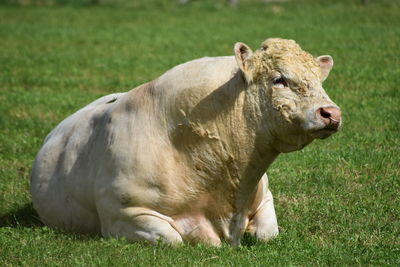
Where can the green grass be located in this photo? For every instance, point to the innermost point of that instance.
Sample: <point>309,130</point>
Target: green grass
<point>337,201</point>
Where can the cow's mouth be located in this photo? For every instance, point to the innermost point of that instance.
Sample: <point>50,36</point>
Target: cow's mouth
<point>323,133</point>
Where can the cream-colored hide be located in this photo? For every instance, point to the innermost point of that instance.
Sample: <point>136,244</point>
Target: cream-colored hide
<point>183,158</point>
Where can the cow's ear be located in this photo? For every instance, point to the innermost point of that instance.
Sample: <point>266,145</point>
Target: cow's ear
<point>243,54</point>
<point>326,64</point>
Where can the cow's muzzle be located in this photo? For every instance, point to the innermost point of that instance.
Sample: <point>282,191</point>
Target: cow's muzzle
<point>331,118</point>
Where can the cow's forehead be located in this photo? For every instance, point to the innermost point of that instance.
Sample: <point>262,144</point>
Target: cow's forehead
<point>287,57</point>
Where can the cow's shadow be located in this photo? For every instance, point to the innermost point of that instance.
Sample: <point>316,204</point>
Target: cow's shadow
<point>250,241</point>
<point>25,216</point>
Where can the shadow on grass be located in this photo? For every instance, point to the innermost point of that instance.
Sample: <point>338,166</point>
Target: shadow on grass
<point>249,240</point>
<point>24,216</point>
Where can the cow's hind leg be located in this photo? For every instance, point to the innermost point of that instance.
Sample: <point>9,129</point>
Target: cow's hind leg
<point>141,224</point>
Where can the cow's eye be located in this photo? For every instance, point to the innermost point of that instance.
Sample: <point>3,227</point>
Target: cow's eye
<point>280,81</point>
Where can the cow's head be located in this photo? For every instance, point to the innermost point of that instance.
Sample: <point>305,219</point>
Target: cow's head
<point>295,107</point>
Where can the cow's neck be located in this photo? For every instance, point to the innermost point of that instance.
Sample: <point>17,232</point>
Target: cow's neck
<point>225,144</point>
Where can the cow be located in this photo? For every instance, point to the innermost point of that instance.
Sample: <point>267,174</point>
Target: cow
<point>183,158</point>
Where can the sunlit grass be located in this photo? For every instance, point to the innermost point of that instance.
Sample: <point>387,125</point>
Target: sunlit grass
<point>337,200</point>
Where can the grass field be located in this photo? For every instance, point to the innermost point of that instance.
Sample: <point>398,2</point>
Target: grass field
<point>337,200</point>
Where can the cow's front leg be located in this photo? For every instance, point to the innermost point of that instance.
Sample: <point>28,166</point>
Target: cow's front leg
<point>141,224</point>
<point>263,223</point>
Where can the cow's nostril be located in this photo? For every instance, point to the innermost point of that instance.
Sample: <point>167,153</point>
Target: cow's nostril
<point>331,116</point>
<point>325,114</point>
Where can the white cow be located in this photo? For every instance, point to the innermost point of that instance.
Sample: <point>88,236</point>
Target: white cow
<point>183,157</point>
